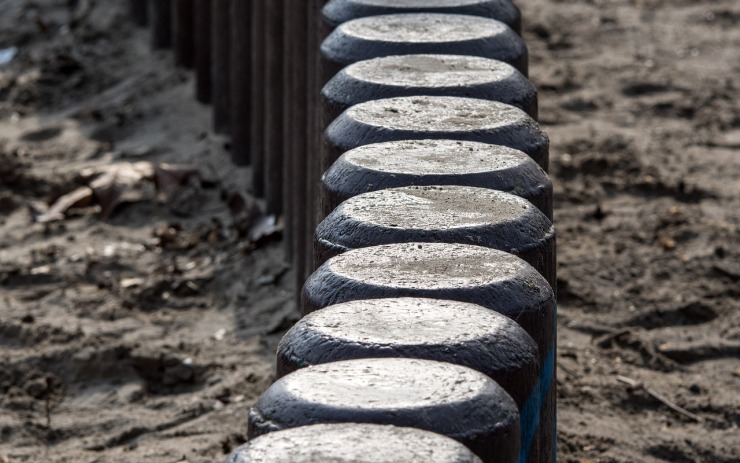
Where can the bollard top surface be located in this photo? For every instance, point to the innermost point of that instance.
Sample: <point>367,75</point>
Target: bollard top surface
<point>423,28</point>
<point>488,277</point>
<point>384,383</point>
<point>414,265</point>
<point>437,162</point>
<point>454,214</point>
<point>337,12</point>
<point>456,401</point>
<point>438,117</point>
<point>431,74</point>
<point>410,321</point>
<point>418,33</point>
<point>451,331</point>
<point>429,70</point>
<point>418,3</point>
<point>437,157</point>
<point>352,443</point>
<point>444,207</point>
<point>437,114</point>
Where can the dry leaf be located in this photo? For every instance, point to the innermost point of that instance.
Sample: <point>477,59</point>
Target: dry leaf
<point>81,197</point>
<point>117,182</point>
<point>168,177</point>
<point>111,185</point>
<point>264,227</point>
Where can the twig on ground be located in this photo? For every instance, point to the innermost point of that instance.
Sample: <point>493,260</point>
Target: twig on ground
<point>605,340</point>
<point>638,385</point>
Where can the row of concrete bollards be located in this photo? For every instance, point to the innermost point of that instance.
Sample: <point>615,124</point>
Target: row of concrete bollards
<point>399,141</point>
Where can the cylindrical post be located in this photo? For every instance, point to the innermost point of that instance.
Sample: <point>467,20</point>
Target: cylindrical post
<point>294,129</point>
<point>160,14</point>
<point>257,106</point>
<point>139,10</point>
<point>337,12</point>
<point>436,117</point>
<point>220,64</point>
<point>435,162</point>
<point>241,86</point>
<point>273,105</point>
<point>184,25</point>
<point>448,399</point>
<point>314,135</point>
<point>351,443</point>
<point>431,75</point>
<point>431,329</point>
<point>337,49</point>
<point>440,214</point>
<point>418,33</point>
<point>493,279</point>
<point>421,33</point>
<point>203,81</point>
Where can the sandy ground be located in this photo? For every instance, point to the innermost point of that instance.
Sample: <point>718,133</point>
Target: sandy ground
<point>145,336</point>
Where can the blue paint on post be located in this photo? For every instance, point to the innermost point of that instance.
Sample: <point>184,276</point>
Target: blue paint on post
<point>530,413</point>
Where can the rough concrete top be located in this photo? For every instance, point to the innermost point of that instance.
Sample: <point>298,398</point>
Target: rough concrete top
<point>445,208</point>
<point>438,266</point>
<point>386,384</point>
<point>401,4</point>
<point>431,75</point>
<point>428,70</point>
<point>422,28</point>
<point>411,321</point>
<point>401,163</point>
<point>432,329</point>
<point>436,157</point>
<point>438,117</point>
<point>437,114</point>
<point>337,12</point>
<point>456,401</point>
<point>421,33</point>
<point>352,443</point>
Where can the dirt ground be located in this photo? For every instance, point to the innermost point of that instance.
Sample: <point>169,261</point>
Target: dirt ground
<point>145,336</point>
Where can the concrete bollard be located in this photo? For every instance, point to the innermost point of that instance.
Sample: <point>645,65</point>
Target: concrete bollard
<point>257,106</point>
<point>314,136</point>
<point>337,12</point>
<point>160,18</point>
<point>431,75</point>
<point>413,118</point>
<point>487,277</point>
<point>404,392</point>
<point>220,62</point>
<point>203,81</point>
<point>431,329</point>
<point>324,71</point>
<point>421,33</point>
<point>184,32</point>
<point>352,443</point>
<point>435,117</point>
<point>435,162</point>
<point>139,11</point>
<point>273,106</point>
<point>241,87</point>
<point>295,109</point>
<point>440,214</point>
